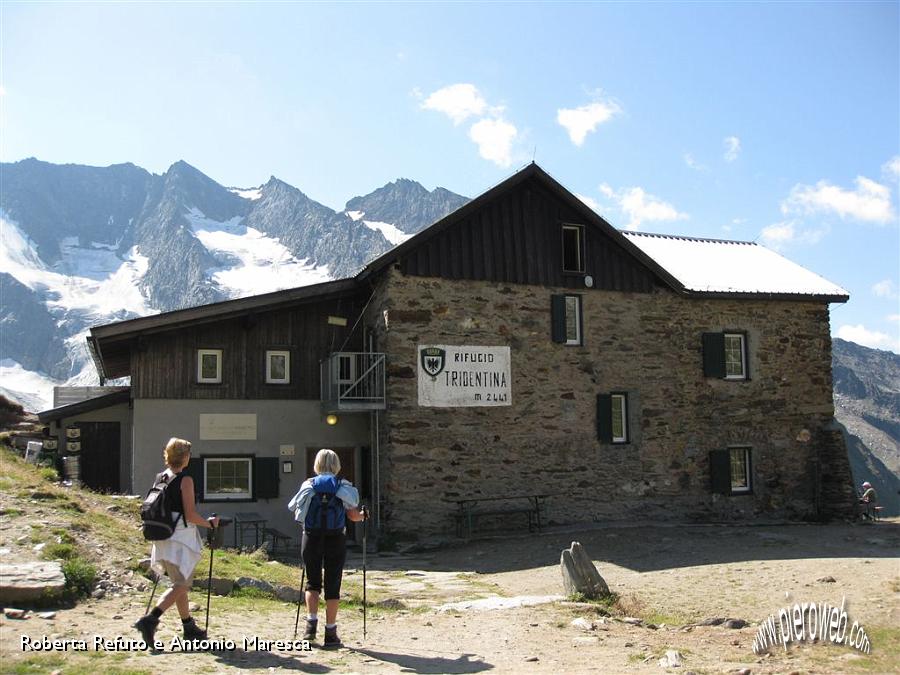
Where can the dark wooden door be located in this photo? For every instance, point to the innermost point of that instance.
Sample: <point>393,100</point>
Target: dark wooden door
<point>348,472</point>
<point>100,455</point>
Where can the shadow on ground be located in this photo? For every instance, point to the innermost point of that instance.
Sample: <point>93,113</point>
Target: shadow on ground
<point>650,547</point>
<point>413,663</point>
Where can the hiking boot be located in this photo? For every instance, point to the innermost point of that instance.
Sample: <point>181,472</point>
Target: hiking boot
<point>310,633</point>
<point>147,626</point>
<point>332,641</point>
<point>192,631</point>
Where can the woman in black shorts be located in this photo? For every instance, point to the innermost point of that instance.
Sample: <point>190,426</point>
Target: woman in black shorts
<point>323,504</point>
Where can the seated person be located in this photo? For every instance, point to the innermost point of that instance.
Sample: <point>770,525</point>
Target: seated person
<point>869,499</point>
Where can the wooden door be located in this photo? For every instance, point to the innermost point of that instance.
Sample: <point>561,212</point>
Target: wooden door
<point>100,455</point>
<point>348,472</point>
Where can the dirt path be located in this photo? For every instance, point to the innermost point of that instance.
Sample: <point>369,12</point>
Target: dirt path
<point>667,576</point>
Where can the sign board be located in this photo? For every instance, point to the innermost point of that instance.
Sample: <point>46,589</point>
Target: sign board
<point>452,376</point>
<point>286,451</point>
<point>227,427</point>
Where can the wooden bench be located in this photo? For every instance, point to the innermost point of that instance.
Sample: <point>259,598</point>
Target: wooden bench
<point>277,536</point>
<point>470,511</point>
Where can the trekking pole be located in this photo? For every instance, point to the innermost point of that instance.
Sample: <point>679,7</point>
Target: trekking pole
<point>212,548</point>
<point>153,592</point>
<point>302,598</point>
<point>365,534</point>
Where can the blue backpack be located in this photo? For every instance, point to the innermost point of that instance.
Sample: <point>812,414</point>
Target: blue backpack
<point>326,513</point>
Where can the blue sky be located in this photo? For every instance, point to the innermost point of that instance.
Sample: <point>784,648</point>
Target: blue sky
<point>774,122</point>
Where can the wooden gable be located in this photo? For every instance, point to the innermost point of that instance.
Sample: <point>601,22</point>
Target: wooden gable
<point>513,234</point>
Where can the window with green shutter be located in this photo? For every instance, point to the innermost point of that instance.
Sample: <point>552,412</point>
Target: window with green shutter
<point>566,320</point>
<point>612,418</point>
<point>725,355</point>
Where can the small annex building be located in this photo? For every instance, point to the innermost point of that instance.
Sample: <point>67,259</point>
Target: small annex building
<point>520,345</point>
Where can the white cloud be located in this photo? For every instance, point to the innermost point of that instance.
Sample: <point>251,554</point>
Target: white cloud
<point>593,203</point>
<point>778,235</point>
<point>870,201</point>
<point>693,163</point>
<point>891,168</point>
<point>895,318</point>
<point>457,101</point>
<point>640,206</point>
<point>884,289</point>
<point>868,338</point>
<point>494,138</point>
<point>732,148</point>
<point>581,121</point>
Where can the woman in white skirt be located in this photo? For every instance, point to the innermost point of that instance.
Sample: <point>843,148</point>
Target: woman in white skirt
<point>178,555</point>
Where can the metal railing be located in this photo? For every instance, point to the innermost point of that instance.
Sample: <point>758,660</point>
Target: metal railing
<point>353,381</point>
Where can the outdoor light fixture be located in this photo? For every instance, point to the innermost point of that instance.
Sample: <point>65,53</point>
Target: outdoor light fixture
<point>331,419</point>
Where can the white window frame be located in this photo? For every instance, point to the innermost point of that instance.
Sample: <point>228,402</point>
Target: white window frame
<point>351,377</point>
<point>579,244</point>
<point>623,417</point>
<point>748,467</point>
<point>743,340</point>
<point>209,352</point>
<point>287,366</point>
<point>228,496</point>
<point>577,340</point>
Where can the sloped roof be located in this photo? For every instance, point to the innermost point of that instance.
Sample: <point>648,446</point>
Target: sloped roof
<point>718,266</point>
<point>96,403</point>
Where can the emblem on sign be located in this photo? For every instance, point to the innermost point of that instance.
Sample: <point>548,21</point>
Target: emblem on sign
<point>433,360</point>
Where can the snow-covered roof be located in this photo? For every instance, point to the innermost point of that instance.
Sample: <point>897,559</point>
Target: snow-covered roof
<point>721,266</point>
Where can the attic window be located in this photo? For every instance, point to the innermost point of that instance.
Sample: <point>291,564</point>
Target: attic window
<point>573,248</point>
<point>209,366</point>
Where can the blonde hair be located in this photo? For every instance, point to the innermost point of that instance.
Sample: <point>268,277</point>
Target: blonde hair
<point>176,450</point>
<point>327,461</point>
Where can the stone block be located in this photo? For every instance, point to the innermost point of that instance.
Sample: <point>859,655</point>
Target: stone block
<point>30,581</point>
<point>579,574</point>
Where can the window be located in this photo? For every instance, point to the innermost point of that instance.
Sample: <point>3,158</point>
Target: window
<point>612,418</point>
<point>278,367</point>
<point>619,418</point>
<point>228,478</point>
<point>725,356</point>
<point>566,319</point>
<point>734,357</point>
<point>209,366</point>
<point>731,471</point>
<point>740,469</point>
<point>573,248</point>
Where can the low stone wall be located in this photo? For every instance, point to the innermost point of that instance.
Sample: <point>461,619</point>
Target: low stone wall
<point>648,345</point>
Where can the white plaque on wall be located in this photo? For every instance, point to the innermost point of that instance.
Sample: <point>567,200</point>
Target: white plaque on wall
<point>227,427</point>
<point>286,451</point>
<point>451,376</point>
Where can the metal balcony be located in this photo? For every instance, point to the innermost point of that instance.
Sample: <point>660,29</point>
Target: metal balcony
<point>352,381</point>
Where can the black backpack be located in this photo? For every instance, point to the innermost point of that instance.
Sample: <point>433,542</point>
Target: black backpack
<point>157,519</point>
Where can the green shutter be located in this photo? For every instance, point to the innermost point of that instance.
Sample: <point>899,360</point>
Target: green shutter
<point>194,469</point>
<point>558,317</point>
<point>604,418</point>
<point>714,355</point>
<point>720,471</point>
<point>266,477</point>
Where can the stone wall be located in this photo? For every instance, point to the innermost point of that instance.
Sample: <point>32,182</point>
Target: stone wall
<point>648,345</point>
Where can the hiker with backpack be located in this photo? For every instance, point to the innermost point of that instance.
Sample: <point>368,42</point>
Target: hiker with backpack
<point>323,504</point>
<point>170,521</point>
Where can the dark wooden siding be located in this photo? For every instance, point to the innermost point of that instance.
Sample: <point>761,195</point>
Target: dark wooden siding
<point>164,365</point>
<point>517,238</point>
